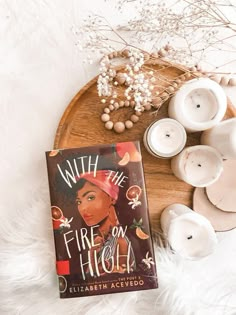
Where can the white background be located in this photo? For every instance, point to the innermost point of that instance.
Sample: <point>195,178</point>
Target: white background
<point>40,71</point>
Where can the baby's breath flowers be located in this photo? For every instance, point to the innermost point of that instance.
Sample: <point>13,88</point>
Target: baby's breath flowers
<point>137,84</point>
<point>195,30</point>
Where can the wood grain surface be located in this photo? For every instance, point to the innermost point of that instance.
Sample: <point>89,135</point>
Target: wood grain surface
<point>80,125</point>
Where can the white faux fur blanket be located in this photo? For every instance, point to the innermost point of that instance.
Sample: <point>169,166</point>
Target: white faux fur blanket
<point>40,72</point>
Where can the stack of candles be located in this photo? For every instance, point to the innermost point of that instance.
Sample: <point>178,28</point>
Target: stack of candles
<point>199,105</point>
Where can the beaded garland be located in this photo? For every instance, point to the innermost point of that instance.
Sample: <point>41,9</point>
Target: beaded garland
<point>139,89</point>
<point>139,94</point>
<point>120,126</point>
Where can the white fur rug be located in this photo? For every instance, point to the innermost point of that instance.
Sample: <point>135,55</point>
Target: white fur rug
<point>40,72</point>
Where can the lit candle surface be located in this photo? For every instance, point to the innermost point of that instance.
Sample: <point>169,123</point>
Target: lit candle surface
<point>165,138</point>
<point>199,165</point>
<point>222,137</point>
<point>198,105</point>
<point>188,233</point>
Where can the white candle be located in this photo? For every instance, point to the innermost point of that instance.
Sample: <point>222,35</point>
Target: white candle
<point>198,105</point>
<point>189,234</point>
<point>165,138</point>
<point>199,165</point>
<point>222,137</point>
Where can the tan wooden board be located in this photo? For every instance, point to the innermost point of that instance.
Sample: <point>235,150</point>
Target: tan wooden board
<point>81,125</point>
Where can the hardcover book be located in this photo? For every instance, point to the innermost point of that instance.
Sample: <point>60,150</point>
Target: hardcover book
<point>100,220</point>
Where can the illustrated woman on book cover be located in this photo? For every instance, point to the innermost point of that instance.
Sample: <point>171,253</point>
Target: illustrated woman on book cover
<point>96,198</point>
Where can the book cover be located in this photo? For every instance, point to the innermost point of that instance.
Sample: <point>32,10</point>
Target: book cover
<point>100,220</point>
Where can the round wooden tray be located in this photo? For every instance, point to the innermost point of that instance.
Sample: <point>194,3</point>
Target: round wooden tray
<point>80,125</point>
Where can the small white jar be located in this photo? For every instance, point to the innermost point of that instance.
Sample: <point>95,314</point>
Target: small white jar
<point>165,138</point>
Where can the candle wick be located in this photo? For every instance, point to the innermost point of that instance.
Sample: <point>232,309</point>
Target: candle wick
<point>189,237</point>
<point>199,165</point>
<point>167,135</point>
<point>198,105</point>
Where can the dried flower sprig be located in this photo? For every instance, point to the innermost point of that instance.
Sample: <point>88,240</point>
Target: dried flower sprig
<point>138,84</point>
<point>196,29</point>
<point>138,88</point>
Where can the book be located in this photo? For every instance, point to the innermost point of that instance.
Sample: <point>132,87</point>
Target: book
<point>100,220</point>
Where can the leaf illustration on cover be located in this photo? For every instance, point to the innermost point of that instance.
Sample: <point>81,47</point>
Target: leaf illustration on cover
<point>138,226</point>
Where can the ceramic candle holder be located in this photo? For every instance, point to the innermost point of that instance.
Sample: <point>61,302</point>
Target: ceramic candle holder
<point>188,233</point>
<point>199,166</point>
<point>222,137</point>
<point>198,105</point>
<point>165,138</point>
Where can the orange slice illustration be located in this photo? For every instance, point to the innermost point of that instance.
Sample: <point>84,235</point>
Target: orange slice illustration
<point>141,234</point>
<point>125,160</point>
<point>56,213</point>
<point>133,192</point>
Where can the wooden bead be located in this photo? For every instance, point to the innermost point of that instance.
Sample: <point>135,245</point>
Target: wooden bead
<point>126,103</point>
<point>105,117</point>
<point>216,78</point>
<point>187,75</point>
<point>106,110</point>
<point>119,127</point>
<point>134,118</point>
<point>116,105</point>
<point>154,55</point>
<point>148,107</point>
<point>168,47</point>
<point>122,103</point>
<point>128,124</point>
<point>146,56</point>
<point>178,81</point>
<point>164,95</point>
<point>162,52</point>
<point>232,82</point>
<point>125,53</point>
<point>121,78</point>
<point>156,102</point>
<point>111,107</point>
<point>170,89</point>
<point>132,104</point>
<point>138,113</point>
<point>224,81</point>
<point>109,125</point>
<point>175,85</point>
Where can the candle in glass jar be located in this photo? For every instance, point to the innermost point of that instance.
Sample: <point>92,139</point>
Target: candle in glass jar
<point>199,165</point>
<point>198,105</point>
<point>189,234</point>
<point>222,137</point>
<point>165,138</point>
